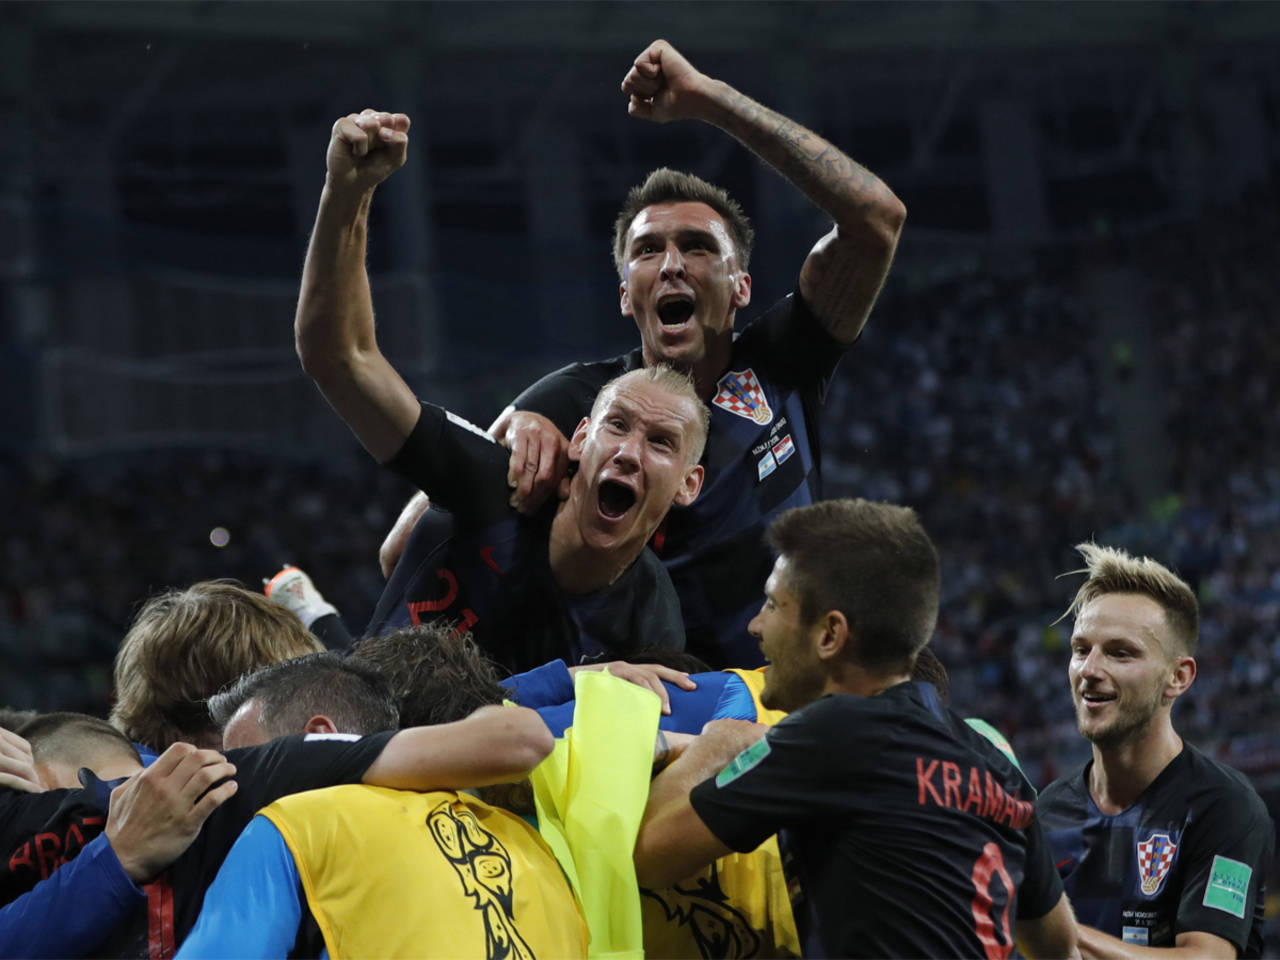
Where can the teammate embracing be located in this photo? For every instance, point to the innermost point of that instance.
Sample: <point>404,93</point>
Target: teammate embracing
<point>903,831</point>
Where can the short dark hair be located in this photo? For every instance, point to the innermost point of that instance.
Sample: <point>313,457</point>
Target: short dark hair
<point>437,674</point>
<point>74,738</point>
<point>871,561</point>
<point>931,670</point>
<point>665,185</point>
<point>355,696</point>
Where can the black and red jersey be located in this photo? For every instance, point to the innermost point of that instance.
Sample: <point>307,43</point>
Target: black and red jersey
<point>903,831</point>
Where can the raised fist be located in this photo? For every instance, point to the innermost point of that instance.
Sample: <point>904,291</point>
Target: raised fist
<point>365,148</point>
<point>663,85</point>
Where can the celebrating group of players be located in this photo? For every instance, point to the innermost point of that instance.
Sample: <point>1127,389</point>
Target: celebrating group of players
<point>274,799</point>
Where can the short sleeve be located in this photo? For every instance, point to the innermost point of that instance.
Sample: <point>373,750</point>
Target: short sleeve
<point>455,463</point>
<point>802,354</point>
<point>777,781</point>
<point>1227,859</point>
<point>565,396</point>
<point>1041,887</point>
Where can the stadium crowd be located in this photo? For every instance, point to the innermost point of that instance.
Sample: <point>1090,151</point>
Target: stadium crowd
<point>975,397</point>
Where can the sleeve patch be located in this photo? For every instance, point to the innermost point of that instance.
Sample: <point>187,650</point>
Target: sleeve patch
<point>467,425</point>
<point>1228,887</point>
<point>350,737</point>
<point>743,762</point>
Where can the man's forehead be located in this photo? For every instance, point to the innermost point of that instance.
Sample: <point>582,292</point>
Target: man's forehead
<point>1126,616</point>
<point>683,215</point>
<point>653,401</point>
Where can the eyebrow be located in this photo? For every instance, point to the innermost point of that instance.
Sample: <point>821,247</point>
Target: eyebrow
<point>674,426</point>
<point>690,233</point>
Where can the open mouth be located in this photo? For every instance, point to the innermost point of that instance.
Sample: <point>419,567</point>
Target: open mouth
<point>675,311</point>
<point>1097,698</point>
<point>615,498</point>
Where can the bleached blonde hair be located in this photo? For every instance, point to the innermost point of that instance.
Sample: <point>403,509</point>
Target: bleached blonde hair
<point>1111,570</point>
<point>672,381</point>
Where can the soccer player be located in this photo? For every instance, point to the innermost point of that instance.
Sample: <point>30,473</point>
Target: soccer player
<point>905,832</point>
<point>82,908</point>
<point>362,871</point>
<point>574,579</point>
<point>1158,845</point>
<point>682,248</point>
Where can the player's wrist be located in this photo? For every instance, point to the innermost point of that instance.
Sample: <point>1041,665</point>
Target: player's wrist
<point>346,196</point>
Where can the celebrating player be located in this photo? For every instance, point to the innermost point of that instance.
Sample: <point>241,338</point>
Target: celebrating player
<point>1157,844</point>
<point>906,832</point>
<point>681,248</point>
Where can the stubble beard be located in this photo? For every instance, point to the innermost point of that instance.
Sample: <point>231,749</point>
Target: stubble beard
<point>1129,726</point>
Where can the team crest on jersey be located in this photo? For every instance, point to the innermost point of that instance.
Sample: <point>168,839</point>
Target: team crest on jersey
<point>740,392</point>
<point>1155,856</point>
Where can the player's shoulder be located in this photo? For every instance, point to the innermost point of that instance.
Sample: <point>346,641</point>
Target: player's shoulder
<point>596,373</point>
<point>1065,799</point>
<point>1211,783</point>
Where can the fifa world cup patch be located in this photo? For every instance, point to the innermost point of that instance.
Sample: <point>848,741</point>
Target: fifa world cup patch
<point>1228,888</point>
<point>743,762</point>
<point>1155,857</point>
<point>739,392</point>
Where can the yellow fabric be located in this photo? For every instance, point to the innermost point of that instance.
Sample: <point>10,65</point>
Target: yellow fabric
<point>389,873</point>
<point>754,679</point>
<point>736,907</point>
<point>590,794</point>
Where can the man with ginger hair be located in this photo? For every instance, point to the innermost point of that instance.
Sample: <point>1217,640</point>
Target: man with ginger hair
<point>1163,850</point>
<point>186,645</point>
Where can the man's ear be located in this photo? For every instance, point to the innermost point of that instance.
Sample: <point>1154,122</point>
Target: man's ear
<point>624,300</point>
<point>579,438</point>
<point>741,291</point>
<point>1183,675</point>
<point>692,486</point>
<point>834,635</point>
<point>320,724</point>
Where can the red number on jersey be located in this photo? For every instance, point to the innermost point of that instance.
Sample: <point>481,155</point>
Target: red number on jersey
<point>991,862</point>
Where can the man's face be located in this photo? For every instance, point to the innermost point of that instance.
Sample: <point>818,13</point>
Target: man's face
<point>682,283</point>
<point>243,729</point>
<point>795,676</point>
<point>633,463</point>
<point>1122,661</point>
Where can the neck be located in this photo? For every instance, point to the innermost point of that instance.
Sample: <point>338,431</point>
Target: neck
<point>1121,773</point>
<point>576,566</point>
<point>848,678</point>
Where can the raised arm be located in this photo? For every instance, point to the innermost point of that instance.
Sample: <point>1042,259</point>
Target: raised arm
<point>845,269</point>
<point>333,328</point>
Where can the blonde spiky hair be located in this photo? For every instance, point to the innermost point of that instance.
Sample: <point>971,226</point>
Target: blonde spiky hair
<point>1112,570</point>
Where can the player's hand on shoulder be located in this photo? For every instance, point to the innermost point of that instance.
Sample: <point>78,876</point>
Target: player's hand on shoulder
<point>156,814</point>
<point>663,85</point>
<point>539,458</point>
<point>365,148</point>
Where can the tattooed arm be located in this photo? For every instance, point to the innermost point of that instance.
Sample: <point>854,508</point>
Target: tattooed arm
<point>846,268</point>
